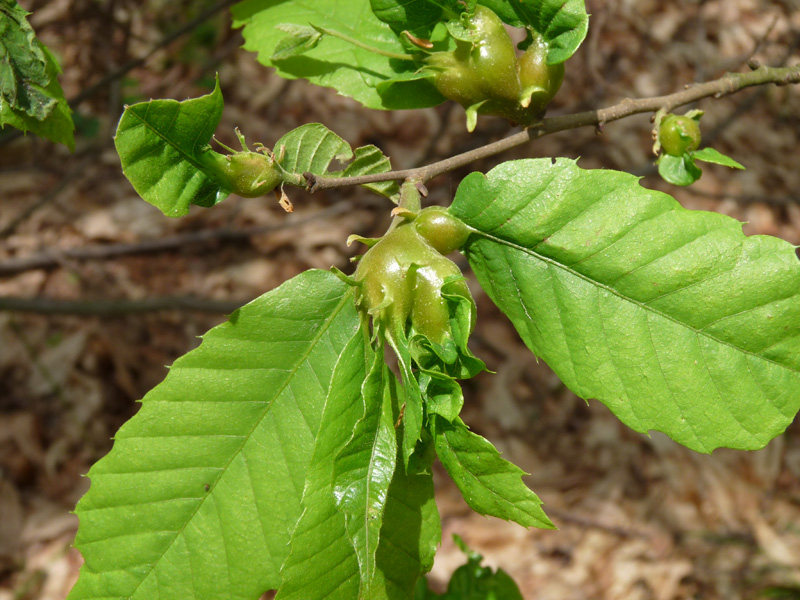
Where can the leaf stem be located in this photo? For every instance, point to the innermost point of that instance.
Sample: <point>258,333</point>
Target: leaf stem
<point>725,85</point>
<point>362,45</point>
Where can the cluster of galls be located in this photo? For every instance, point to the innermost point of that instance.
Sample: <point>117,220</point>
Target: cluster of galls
<point>486,76</point>
<point>412,291</point>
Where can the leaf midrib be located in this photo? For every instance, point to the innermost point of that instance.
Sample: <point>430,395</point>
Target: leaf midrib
<point>622,296</point>
<point>189,158</point>
<point>326,325</point>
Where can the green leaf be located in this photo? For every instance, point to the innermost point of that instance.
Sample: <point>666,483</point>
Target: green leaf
<point>411,529</point>
<point>202,489</point>
<point>505,10</point>
<point>442,393</point>
<point>417,16</point>
<point>369,160</point>
<point>423,592</point>
<point>490,484</point>
<point>475,582</point>
<point>23,65</point>
<point>561,24</point>
<point>461,32</point>
<point>57,126</point>
<point>322,563</point>
<point>312,148</point>
<point>412,413</point>
<point>672,318</point>
<point>163,147</point>
<point>718,158</point>
<point>333,62</point>
<point>31,98</point>
<point>363,470</point>
<point>678,170</point>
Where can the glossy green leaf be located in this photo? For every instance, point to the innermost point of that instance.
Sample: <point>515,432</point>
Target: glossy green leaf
<point>363,471</point>
<point>351,70</point>
<point>417,16</point>
<point>442,393</point>
<point>475,582</point>
<point>710,155</point>
<point>312,147</point>
<point>322,563</point>
<point>57,126</point>
<point>561,24</point>
<point>411,529</point>
<point>163,147</point>
<point>672,318</point>
<point>413,413</point>
<point>678,170</point>
<point>489,484</point>
<point>369,160</point>
<point>202,489</point>
<point>505,10</point>
<point>409,538</point>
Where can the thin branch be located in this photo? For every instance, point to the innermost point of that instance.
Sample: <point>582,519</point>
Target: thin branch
<point>107,308</point>
<point>51,194</point>
<point>133,63</point>
<point>587,523</point>
<point>744,198</point>
<point>55,258</point>
<point>725,85</point>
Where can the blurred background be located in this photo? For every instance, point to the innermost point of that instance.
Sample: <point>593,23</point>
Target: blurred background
<point>99,291</point>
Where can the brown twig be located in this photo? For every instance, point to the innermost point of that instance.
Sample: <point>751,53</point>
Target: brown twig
<point>51,194</point>
<point>725,85</point>
<point>744,198</point>
<point>587,523</point>
<point>55,258</point>
<point>107,308</point>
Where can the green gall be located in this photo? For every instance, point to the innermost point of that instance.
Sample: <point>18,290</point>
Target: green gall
<point>454,78</point>
<point>486,77</point>
<point>491,57</point>
<point>400,281</point>
<point>482,70</point>
<point>246,173</point>
<point>678,135</point>
<point>441,230</point>
<point>250,174</point>
<point>539,81</point>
